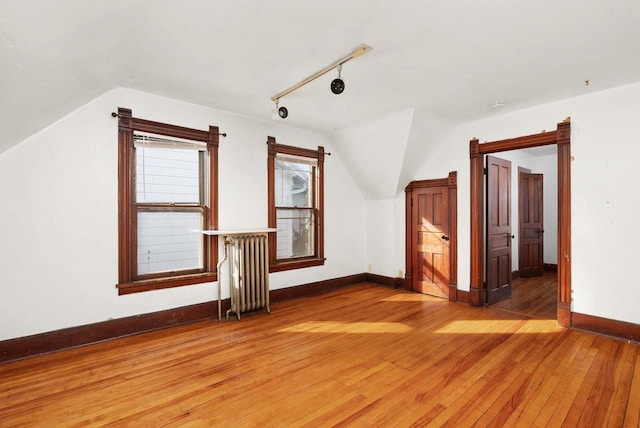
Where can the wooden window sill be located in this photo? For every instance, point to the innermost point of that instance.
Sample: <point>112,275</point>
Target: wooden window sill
<point>167,282</point>
<point>296,264</point>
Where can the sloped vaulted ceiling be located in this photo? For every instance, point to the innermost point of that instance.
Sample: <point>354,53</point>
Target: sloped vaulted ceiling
<point>375,153</point>
<point>451,59</point>
<point>54,57</point>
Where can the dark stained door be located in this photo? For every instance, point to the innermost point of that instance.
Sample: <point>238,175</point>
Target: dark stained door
<point>498,229</point>
<point>531,228</point>
<point>430,240</point>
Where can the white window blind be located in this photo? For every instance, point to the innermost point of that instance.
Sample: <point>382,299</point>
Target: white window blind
<point>169,182</point>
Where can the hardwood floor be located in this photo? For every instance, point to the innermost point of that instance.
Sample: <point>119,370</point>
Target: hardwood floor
<point>361,356</point>
<point>535,296</point>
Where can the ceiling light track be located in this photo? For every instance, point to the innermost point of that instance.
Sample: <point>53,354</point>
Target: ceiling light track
<point>337,86</point>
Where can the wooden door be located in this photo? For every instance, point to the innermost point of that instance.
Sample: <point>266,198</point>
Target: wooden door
<point>498,229</point>
<point>430,240</point>
<point>531,227</point>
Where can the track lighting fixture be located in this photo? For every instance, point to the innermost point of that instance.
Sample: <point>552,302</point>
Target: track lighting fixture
<point>337,85</point>
<point>279,112</point>
<point>283,112</point>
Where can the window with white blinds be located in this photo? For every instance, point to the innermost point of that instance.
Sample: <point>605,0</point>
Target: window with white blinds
<point>167,195</point>
<point>169,200</point>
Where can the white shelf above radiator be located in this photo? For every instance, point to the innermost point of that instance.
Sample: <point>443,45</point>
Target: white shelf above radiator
<point>237,231</point>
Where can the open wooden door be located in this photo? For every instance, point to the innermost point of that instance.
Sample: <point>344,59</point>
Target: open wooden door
<point>531,225</point>
<point>499,235</point>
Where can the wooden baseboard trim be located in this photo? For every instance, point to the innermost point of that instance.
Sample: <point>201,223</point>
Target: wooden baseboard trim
<point>313,288</point>
<point>550,267</point>
<point>380,279</point>
<point>515,274</point>
<point>385,280</point>
<point>73,337</point>
<point>608,327</point>
<point>44,343</point>
<point>463,297</point>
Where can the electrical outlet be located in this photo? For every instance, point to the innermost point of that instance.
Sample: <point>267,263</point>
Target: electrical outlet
<point>369,267</point>
<point>400,273</point>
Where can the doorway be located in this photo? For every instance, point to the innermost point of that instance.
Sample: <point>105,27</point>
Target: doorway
<point>561,137</point>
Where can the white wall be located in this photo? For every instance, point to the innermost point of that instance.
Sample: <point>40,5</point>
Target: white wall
<point>380,235</point>
<point>58,216</point>
<point>604,199</point>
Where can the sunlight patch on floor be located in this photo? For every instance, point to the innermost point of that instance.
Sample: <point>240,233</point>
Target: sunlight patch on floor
<point>346,327</point>
<point>500,326</point>
<point>413,297</point>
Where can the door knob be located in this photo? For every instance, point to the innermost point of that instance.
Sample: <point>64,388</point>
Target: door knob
<point>445,237</point>
<point>510,236</point>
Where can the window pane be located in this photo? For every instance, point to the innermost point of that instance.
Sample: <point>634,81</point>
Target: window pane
<point>169,241</point>
<point>294,183</point>
<point>295,233</point>
<point>167,175</point>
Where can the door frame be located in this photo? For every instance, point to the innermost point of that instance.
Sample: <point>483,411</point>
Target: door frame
<point>561,137</point>
<point>451,181</point>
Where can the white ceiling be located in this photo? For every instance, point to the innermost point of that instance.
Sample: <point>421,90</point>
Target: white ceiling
<point>451,58</point>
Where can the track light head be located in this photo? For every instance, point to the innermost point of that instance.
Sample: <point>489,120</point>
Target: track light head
<point>279,112</point>
<point>337,86</point>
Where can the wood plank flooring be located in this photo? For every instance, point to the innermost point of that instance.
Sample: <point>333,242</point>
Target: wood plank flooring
<point>535,296</point>
<point>363,356</point>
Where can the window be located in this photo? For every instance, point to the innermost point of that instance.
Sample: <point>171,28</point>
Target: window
<point>167,194</point>
<point>296,195</point>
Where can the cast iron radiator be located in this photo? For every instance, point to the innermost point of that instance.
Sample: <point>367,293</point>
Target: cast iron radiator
<point>249,270</point>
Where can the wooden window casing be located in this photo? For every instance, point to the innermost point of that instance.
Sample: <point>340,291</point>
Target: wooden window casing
<point>128,279</point>
<point>317,258</point>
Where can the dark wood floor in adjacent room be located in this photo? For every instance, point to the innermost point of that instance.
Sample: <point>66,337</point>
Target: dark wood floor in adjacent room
<point>364,355</point>
<point>535,296</point>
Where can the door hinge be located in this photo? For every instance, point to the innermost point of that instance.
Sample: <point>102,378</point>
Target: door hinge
<point>484,171</point>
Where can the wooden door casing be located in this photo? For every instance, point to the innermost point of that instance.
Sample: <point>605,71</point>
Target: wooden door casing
<point>499,237</point>
<point>561,138</point>
<point>530,225</point>
<point>431,236</point>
